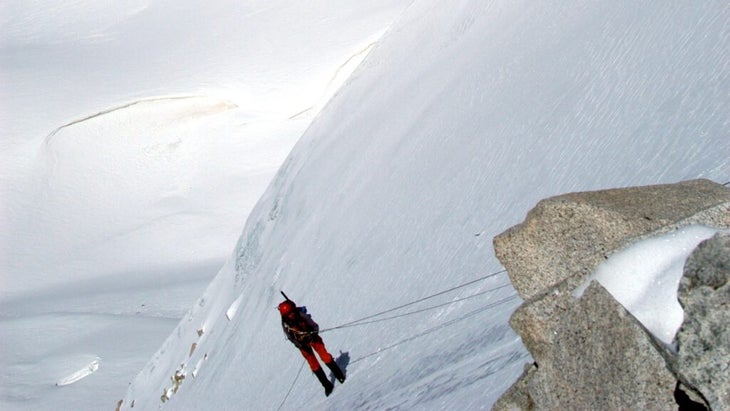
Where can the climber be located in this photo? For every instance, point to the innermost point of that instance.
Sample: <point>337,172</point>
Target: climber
<point>303,332</point>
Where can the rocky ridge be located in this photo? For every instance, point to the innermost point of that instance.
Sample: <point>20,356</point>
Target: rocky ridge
<point>590,352</point>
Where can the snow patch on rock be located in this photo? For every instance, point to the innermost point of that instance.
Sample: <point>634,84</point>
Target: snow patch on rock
<point>644,278</point>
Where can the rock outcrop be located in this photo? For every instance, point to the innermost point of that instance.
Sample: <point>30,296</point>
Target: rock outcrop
<point>703,360</point>
<point>589,352</point>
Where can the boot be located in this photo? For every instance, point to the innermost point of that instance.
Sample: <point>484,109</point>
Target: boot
<point>336,371</point>
<point>325,381</point>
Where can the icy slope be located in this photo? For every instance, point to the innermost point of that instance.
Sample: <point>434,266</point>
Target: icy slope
<point>460,120</point>
<point>135,139</point>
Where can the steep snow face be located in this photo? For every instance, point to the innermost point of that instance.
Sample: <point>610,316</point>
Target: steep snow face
<point>136,137</point>
<point>460,120</point>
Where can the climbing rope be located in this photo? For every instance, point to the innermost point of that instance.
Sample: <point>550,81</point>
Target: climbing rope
<point>439,327</point>
<point>423,309</point>
<point>371,318</point>
<point>419,335</point>
<point>292,386</point>
<point>361,321</point>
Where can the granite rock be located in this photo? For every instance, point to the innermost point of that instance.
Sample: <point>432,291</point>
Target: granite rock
<point>589,352</point>
<point>703,341</point>
<point>566,237</point>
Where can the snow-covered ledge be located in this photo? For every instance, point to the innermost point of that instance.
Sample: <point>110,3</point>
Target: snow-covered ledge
<point>645,277</point>
<point>590,350</point>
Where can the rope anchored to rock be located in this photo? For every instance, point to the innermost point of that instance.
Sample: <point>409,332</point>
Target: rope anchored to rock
<point>364,320</point>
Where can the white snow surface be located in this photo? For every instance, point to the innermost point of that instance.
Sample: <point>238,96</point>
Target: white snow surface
<point>78,375</point>
<point>136,137</point>
<point>462,116</point>
<point>644,277</point>
<point>458,122</point>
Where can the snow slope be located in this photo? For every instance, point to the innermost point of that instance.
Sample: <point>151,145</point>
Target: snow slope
<point>457,123</point>
<point>136,137</point>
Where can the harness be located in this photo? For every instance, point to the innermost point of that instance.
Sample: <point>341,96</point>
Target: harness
<point>302,331</point>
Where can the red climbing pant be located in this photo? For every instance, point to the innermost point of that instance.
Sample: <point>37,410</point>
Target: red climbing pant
<point>318,346</point>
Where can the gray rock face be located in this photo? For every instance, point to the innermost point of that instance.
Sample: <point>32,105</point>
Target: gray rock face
<point>566,237</point>
<point>703,358</point>
<point>590,353</point>
<point>516,397</point>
